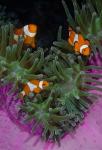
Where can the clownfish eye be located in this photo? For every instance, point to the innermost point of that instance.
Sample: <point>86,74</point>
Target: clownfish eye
<point>45,84</point>
<point>33,27</point>
<point>85,50</point>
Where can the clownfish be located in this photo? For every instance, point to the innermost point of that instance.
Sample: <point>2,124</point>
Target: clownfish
<point>28,32</point>
<point>81,45</point>
<point>34,86</point>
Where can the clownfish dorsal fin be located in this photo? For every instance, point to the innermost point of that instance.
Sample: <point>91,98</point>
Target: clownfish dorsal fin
<point>81,39</point>
<point>36,82</point>
<point>87,42</point>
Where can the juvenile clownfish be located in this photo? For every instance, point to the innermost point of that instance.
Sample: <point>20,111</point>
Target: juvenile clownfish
<point>28,32</point>
<point>81,45</point>
<point>34,86</point>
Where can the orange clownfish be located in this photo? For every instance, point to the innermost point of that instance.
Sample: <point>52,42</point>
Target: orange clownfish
<point>34,86</point>
<point>28,32</point>
<point>81,45</point>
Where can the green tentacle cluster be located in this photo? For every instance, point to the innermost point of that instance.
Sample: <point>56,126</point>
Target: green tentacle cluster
<point>61,107</point>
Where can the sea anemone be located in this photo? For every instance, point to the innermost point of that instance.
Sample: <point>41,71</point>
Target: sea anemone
<point>62,106</point>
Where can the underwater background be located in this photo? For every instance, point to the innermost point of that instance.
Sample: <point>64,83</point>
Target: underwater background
<point>67,114</point>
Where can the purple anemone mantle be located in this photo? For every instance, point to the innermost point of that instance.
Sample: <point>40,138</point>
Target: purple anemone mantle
<point>88,135</point>
<point>10,103</point>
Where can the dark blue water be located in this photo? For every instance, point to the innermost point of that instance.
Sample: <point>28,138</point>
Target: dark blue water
<point>47,14</point>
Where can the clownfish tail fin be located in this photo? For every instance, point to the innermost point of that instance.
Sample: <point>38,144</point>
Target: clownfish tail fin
<point>70,29</point>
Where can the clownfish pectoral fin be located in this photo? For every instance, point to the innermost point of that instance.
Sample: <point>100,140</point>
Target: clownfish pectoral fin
<point>35,82</point>
<point>33,43</point>
<point>76,47</point>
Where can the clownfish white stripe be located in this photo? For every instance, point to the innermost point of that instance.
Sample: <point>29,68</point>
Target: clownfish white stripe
<point>83,47</point>
<point>27,32</point>
<point>41,84</point>
<point>75,38</point>
<point>31,86</point>
<point>23,93</point>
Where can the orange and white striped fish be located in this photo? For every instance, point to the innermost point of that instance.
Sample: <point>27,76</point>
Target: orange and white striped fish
<point>81,45</point>
<point>34,86</point>
<point>28,32</point>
